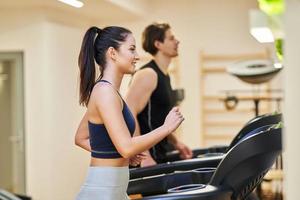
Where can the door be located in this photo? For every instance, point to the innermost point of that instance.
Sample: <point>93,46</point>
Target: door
<point>12,150</point>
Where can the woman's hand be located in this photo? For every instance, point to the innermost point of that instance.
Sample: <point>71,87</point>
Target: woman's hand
<point>173,120</point>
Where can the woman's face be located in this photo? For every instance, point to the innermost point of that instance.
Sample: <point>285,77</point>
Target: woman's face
<point>127,55</point>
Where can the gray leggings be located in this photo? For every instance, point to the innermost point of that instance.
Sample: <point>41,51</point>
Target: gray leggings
<point>105,183</point>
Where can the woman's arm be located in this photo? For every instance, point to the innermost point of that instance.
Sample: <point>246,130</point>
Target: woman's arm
<point>110,109</point>
<point>82,138</point>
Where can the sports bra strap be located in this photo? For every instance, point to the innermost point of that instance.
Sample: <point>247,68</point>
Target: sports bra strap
<point>105,81</point>
<point>102,80</point>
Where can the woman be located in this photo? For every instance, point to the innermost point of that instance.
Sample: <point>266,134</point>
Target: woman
<point>107,127</point>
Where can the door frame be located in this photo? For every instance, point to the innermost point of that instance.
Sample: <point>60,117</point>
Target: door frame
<point>17,57</point>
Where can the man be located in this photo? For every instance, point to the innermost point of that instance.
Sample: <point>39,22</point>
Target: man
<point>150,95</point>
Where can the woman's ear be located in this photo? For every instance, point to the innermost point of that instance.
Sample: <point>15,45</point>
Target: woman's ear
<point>112,53</point>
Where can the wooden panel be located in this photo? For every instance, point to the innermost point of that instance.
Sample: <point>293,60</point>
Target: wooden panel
<point>213,105</point>
<point>233,57</point>
<point>275,174</point>
<point>224,123</point>
<point>226,137</point>
<point>221,111</point>
<point>206,70</point>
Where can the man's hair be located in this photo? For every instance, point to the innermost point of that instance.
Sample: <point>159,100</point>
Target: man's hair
<point>154,32</point>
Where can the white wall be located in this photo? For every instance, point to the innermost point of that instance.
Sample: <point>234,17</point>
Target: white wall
<point>30,41</point>
<point>292,99</point>
<point>51,109</point>
<point>213,26</point>
<point>63,112</point>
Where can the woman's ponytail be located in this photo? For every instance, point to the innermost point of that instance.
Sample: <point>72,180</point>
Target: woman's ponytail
<point>86,65</point>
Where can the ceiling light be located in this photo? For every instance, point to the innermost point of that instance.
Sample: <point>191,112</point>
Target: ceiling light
<point>278,65</point>
<point>75,3</point>
<point>262,34</point>
<point>259,26</point>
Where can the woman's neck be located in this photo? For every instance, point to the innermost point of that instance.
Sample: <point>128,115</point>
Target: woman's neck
<point>111,75</point>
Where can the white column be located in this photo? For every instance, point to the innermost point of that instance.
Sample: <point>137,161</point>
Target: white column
<point>292,100</point>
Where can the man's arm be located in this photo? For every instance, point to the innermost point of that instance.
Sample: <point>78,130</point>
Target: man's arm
<point>138,94</point>
<point>184,151</point>
<point>142,85</point>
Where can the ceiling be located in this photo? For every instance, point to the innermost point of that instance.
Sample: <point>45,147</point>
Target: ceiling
<point>93,10</point>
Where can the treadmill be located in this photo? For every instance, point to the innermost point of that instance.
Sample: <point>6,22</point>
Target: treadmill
<point>208,160</point>
<point>239,172</point>
<point>161,183</point>
<point>258,121</point>
<point>4,195</point>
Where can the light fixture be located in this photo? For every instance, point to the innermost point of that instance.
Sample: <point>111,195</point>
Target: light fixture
<point>259,26</point>
<point>262,34</point>
<point>278,65</point>
<point>74,3</point>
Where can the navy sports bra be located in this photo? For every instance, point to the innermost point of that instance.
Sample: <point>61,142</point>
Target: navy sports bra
<point>101,144</point>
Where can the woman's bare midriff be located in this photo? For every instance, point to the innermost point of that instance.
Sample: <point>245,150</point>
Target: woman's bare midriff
<point>111,162</point>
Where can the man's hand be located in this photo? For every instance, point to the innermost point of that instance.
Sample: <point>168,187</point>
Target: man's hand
<point>137,159</point>
<point>184,151</point>
<point>148,161</point>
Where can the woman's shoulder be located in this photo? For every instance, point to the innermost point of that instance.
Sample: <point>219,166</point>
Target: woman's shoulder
<point>104,94</point>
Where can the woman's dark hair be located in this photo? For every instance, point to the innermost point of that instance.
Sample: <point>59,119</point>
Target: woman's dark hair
<point>154,32</point>
<point>94,46</point>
